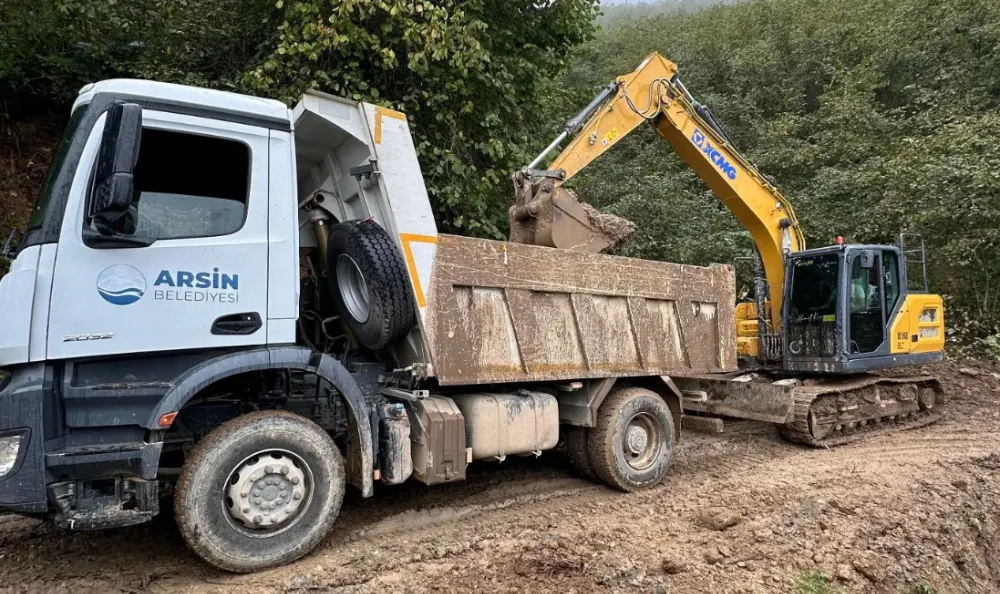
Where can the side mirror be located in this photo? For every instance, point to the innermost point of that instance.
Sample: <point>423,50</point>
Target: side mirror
<point>111,195</point>
<point>867,259</point>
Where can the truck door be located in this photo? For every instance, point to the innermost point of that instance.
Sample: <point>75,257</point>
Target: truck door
<point>201,192</point>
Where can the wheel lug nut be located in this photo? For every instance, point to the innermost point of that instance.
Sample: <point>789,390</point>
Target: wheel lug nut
<point>257,519</point>
<point>295,480</point>
<point>296,496</point>
<point>284,469</point>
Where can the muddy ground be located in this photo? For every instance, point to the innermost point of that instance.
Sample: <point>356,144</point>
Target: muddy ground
<point>914,512</point>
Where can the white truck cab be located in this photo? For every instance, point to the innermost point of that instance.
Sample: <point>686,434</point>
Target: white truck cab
<point>217,193</point>
<point>250,306</point>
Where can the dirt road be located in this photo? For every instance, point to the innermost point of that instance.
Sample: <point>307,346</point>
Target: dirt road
<point>914,512</point>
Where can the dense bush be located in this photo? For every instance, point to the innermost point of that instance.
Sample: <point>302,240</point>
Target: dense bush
<point>873,117</point>
<point>467,73</point>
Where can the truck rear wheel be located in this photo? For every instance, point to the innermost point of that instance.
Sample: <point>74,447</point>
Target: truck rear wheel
<point>259,491</point>
<point>369,282</point>
<point>575,439</point>
<point>633,441</point>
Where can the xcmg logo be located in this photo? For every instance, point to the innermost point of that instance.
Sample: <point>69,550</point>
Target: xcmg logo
<point>713,154</point>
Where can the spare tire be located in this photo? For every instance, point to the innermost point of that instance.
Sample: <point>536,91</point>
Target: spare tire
<point>369,283</point>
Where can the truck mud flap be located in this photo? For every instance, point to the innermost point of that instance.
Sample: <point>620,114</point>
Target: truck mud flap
<point>22,489</point>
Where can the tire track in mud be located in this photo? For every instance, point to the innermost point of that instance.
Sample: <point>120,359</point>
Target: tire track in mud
<point>541,490</point>
<point>728,461</point>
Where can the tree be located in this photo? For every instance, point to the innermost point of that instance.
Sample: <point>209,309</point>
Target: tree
<point>873,117</point>
<point>467,74</point>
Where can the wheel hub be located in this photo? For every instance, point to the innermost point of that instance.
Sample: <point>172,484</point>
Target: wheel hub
<point>266,491</point>
<point>353,288</point>
<point>642,441</point>
<point>637,439</point>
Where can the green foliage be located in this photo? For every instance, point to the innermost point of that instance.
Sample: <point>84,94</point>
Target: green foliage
<point>465,73</point>
<point>814,582</point>
<point>873,117</point>
<point>50,48</point>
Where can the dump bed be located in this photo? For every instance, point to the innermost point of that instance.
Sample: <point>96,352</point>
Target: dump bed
<point>508,312</point>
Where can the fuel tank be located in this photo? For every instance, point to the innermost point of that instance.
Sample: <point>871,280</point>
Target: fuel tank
<point>499,425</point>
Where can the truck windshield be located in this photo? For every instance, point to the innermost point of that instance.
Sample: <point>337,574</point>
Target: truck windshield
<point>42,202</point>
<point>814,287</point>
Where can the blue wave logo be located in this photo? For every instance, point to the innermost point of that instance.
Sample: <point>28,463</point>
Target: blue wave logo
<point>121,284</point>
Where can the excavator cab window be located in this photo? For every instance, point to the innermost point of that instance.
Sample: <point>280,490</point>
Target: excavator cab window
<point>891,280</point>
<point>867,324</point>
<point>812,306</point>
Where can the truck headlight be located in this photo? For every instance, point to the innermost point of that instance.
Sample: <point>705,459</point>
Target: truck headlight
<point>9,448</point>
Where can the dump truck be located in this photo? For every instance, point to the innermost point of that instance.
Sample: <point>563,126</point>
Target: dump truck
<point>250,307</point>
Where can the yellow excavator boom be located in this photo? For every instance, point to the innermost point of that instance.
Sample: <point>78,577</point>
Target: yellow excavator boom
<point>653,93</point>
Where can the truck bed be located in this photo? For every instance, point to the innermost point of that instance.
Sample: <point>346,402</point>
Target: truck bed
<point>508,312</point>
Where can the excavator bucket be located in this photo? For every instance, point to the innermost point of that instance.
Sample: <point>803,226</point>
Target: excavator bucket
<point>548,214</point>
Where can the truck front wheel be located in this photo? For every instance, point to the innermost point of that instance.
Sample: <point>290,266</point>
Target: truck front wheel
<point>259,491</point>
<point>633,441</point>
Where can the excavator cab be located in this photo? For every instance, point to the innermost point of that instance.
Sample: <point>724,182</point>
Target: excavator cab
<point>850,308</point>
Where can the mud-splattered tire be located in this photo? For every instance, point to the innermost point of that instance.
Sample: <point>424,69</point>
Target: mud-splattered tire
<point>273,449</point>
<point>633,441</point>
<point>575,439</point>
<point>369,283</point>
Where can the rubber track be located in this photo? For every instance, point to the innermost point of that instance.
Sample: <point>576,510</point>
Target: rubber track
<point>799,431</point>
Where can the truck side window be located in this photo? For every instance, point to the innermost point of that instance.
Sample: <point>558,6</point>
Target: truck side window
<point>190,186</point>
<point>891,280</point>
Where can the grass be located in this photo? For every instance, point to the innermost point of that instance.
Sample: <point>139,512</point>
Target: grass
<point>814,582</point>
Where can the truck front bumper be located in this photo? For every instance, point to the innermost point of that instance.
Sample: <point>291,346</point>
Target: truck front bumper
<point>22,461</point>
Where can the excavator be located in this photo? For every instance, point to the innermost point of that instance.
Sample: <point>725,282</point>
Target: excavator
<point>820,321</point>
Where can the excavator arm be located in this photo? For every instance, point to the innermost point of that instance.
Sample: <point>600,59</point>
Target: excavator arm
<point>654,94</point>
